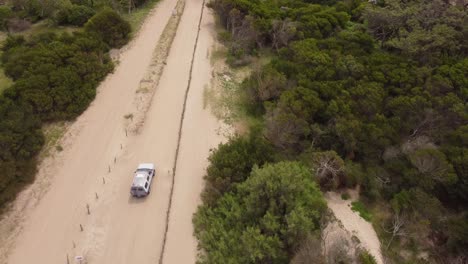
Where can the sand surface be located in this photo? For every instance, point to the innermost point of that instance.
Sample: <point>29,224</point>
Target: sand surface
<point>44,223</point>
<point>355,224</point>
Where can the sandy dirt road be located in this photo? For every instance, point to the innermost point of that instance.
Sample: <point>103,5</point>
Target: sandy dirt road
<point>121,229</point>
<point>355,224</point>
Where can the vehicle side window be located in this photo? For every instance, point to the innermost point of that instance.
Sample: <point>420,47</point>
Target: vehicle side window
<point>146,185</point>
<point>147,178</point>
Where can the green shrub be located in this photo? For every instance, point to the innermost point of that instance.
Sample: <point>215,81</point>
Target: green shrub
<point>361,209</point>
<point>354,173</point>
<point>5,14</point>
<point>232,162</point>
<point>264,220</point>
<point>366,258</point>
<point>61,17</point>
<point>64,86</point>
<point>79,15</point>
<point>110,27</point>
<point>21,139</point>
<point>345,196</point>
<point>75,15</point>
<point>369,184</point>
<point>12,41</point>
<point>224,36</point>
<point>458,233</point>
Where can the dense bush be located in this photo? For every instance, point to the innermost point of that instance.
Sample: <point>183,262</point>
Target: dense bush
<point>75,15</point>
<point>232,162</point>
<point>20,140</point>
<point>264,220</point>
<point>329,169</point>
<point>375,92</point>
<point>259,24</point>
<point>56,75</point>
<point>79,10</point>
<point>5,14</point>
<point>426,30</point>
<point>110,27</point>
<point>35,10</point>
<point>79,15</point>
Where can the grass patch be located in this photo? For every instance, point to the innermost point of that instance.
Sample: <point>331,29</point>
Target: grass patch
<point>218,54</point>
<point>227,101</point>
<point>3,36</point>
<point>224,102</point>
<point>5,82</point>
<point>137,17</point>
<point>361,209</point>
<point>208,95</point>
<point>227,98</point>
<point>52,134</point>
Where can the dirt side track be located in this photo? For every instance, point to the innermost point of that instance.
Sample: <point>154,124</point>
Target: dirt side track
<point>96,167</point>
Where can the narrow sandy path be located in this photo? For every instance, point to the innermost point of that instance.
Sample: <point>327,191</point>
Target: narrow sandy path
<point>355,224</point>
<point>120,229</point>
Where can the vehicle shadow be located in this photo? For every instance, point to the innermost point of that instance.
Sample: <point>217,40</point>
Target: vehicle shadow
<point>136,200</point>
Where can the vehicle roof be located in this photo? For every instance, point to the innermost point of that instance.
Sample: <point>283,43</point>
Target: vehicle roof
<point>146,166</point>
<point>140,178</point>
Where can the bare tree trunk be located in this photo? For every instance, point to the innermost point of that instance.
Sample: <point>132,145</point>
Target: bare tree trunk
<point>390,242</point>
<point>395,229</point>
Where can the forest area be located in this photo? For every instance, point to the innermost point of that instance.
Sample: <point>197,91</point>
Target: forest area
<point>54,75</point>
<point>353,93</point>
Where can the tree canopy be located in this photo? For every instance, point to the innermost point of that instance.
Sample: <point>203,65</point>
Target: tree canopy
<point>264,219</point>
<point>110,27</point>
<point>369,93</point>
<point>232,163</point>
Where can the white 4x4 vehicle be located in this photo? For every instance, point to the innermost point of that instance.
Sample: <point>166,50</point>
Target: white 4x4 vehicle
<point>142,180</point>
